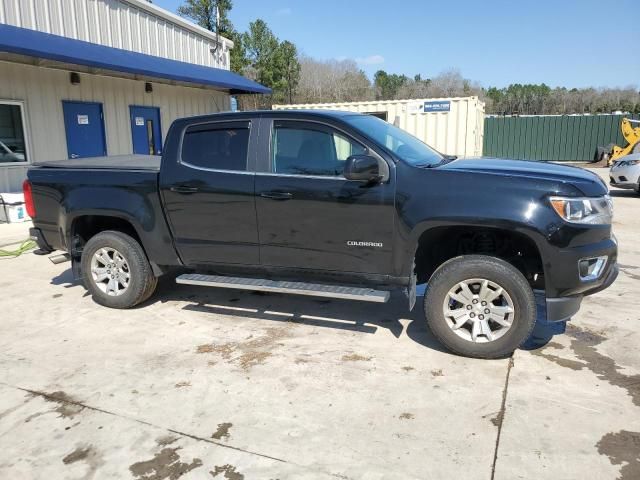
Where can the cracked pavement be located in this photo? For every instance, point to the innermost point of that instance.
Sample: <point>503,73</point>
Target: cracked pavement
<point>219,384</point>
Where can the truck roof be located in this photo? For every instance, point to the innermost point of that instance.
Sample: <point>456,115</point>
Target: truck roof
<point>280,113</point>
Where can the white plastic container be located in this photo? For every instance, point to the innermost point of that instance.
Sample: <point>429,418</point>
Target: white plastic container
<point>453,126</point>
<point>12,208</point>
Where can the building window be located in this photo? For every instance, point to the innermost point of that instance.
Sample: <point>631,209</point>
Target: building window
<point>12,139</point>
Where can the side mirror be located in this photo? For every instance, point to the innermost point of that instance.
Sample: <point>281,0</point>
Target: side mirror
<point>362,168</point>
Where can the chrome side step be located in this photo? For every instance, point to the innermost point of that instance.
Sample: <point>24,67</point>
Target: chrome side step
<point>296,288</point>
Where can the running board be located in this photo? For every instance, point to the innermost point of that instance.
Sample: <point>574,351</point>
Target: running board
<point>61,258</point>
<point>296,288</point>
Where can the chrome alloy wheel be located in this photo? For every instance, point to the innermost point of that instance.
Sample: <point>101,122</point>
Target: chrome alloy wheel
<point>478,310</point>
<point>110,271</point>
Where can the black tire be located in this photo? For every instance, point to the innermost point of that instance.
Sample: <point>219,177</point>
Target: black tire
<point>142,281</point>
<point>495,270</point>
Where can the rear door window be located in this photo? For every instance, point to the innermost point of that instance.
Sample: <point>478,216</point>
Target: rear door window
<point>216,146</point>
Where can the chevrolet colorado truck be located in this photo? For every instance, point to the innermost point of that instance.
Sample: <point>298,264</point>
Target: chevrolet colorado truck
<point>333,204</point>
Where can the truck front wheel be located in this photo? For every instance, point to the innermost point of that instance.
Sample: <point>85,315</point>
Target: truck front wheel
<point>480,306</point>
<point>116,271</point>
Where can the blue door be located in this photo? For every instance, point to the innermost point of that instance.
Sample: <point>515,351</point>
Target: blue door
<point>145,130</point>
<point>83,124</point>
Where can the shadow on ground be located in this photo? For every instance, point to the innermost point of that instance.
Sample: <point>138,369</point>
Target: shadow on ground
<point>623,193</point>
<point>346,315</point>
<point>544,331</point>
<point>320,312</point>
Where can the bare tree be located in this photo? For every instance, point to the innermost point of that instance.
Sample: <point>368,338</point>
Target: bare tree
<point>331,81</point>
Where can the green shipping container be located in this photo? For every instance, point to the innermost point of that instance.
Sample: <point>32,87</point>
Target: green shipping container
<point>551,137</point>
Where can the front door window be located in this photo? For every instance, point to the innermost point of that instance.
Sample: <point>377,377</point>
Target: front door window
<point>300,148</point>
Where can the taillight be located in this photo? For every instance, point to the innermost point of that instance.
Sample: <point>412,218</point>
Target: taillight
<point>28,198</point>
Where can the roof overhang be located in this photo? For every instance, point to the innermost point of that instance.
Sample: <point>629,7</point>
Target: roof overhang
<point>44,49</point>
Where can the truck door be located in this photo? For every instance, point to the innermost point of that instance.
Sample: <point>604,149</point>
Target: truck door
<point>309,215</point>
<point>208,194</point>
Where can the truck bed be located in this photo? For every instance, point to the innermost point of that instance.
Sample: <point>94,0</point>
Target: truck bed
<point>68,195</point>
<point>116,162</point>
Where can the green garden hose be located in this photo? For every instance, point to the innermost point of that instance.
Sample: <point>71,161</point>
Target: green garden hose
<point>24,247</point>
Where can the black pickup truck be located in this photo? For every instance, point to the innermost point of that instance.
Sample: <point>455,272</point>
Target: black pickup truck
<point>333,204</point>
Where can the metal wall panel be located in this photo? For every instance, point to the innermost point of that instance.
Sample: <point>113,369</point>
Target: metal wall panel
<point>456,132</point>
<point>42,91</point>
<point>552,137</point>
<point>130,25</point>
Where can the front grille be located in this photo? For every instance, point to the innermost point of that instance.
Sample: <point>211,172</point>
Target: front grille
<point>622,178</point>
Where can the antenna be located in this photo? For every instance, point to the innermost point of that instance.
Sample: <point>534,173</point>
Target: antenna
<point>215,48</point>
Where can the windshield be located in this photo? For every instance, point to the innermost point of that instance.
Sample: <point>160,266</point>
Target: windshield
<point>404,145</point>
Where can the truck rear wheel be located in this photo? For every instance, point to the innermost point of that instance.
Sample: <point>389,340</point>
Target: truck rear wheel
<point>480,306</point>
<point>116,271</point>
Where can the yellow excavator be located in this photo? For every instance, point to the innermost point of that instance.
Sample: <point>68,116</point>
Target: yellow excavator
<point>632,135</point>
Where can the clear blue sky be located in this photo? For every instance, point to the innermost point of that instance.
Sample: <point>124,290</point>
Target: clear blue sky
<point>573,43</point>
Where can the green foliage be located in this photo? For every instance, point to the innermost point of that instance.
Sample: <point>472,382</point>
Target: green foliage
<point>270,62</point>
<point>261,46</point>
<point>288,68</point>
<point>517,98</point>
<point>387,86</point>
<point>238,54</point>
<point>532,99</point>
<point>203,12</point>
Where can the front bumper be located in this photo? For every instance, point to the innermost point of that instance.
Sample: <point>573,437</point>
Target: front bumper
<point>565,284</point>
<point>625,185</point>
<point>562,271</point>
<point>624,176</point>
<point>563,308</point>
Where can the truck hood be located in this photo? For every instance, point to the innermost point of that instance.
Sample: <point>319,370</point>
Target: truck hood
<point>587,182</point>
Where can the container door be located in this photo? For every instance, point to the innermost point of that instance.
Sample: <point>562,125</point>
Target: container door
<point>145,130</point>
<point>84,127</point>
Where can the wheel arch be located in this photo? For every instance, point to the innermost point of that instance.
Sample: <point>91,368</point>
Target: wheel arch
<point>434,246</point>
<point>85,225</point>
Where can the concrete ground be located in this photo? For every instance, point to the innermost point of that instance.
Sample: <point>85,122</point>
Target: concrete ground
<point>220,384</point>
<point>13,233</point>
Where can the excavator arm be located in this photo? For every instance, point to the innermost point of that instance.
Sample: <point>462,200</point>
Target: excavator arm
<point>632,135</point>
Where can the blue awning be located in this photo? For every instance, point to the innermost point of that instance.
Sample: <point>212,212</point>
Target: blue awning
<point>31,43</point>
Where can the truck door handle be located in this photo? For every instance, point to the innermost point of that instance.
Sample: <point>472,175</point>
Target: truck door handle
<point>183,189</point>
<point>277,195</point>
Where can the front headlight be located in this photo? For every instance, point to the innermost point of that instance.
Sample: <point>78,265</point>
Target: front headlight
<point>586,210</point>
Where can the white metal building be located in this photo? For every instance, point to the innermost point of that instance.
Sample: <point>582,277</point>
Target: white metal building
<point>454,126</point>
<point>95,77</point>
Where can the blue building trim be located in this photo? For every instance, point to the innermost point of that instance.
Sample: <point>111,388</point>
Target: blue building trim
<point>36,44</point>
